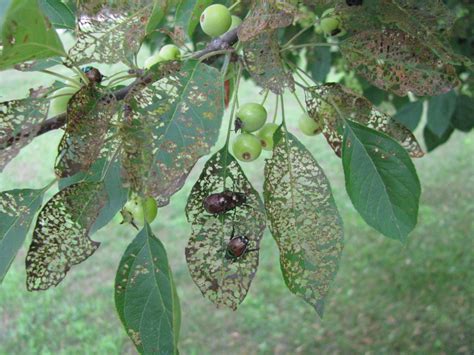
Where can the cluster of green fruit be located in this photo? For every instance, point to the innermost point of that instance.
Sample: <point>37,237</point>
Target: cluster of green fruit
<point>330,24</point>
<point>139,210</point>
<point>216,20</point>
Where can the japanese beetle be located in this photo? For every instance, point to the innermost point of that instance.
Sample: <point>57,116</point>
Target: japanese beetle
<point>222,202</point>
<point>354,2</point>
<point>236,247</point>
<point>93,74</point>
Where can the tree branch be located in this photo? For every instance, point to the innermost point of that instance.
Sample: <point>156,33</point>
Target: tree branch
<point>217,45</point>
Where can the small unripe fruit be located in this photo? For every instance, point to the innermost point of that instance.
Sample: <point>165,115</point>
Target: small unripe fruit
<point>252,116</point>
<point>330,24</point>
<point>247,147</point>
<point>266,135</point>
<point>170,52</point>
<point>236,21</point>
<point>141,210</point>
<point>309,126</point>
<point>151,61</point>
<point>215,20</point>
<point>150,209</point>
<point>61,99</point>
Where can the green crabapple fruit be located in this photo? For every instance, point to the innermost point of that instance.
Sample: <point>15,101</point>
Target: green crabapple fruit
<point>141,210</point>
<point>309,126</point>
<point>215,20</point>
<point>330,24</point>
<point>151,61</point>
<point>236,21</point>
<point>266,135</point>
<point>252,116</point>
<point>170,52</point>
<point>246,147</point>
<point>61,98</point>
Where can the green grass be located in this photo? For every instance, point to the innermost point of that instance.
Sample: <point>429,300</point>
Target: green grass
<point>387,298</point>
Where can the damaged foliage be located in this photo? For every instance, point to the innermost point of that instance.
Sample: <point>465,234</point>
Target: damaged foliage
<point>304,219</point>
<point>222,280</point>
<point>319,101</point>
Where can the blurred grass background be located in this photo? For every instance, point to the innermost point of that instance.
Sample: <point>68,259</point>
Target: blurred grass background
<point>387,298</point>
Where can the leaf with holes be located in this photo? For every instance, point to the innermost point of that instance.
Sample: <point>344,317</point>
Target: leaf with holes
<point>17,210</point>
<point>146,297</point>
<point>222,279</point>
<point>27,35</point>
<point>109,35</point>
<point>19,123</point>
<point>61,235</point>
<point>325,104</point>
<point>397,62</point>
<point>89,113</point>
<point>172,118</point>
<point>381,181</point>
<point>304,219</point>
<point>263,61</point>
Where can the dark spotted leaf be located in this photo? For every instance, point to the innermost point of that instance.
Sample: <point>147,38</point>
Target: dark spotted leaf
<point>221,279</point>
<point>327,102</point>
<point>89,113</point>
<point>19,123</point>
<point>397,62</point>
<point>171,120</point>
<point>146,298</point>
<point>381,181</point>
<point>61,235</point>
<point>410,115</point>
<point>440,111</point>
<point>27,35</point>
<point>188,13</point>
<point>304,219</point>
<point>263,61</point>
<point>109,34</point>
<point>17,210</point>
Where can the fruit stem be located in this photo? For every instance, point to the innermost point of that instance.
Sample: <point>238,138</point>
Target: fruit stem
<point>234,104</point>
<point>276,109</point>
<point>234,5</point>
<point>60,76</point>
<point>120,78</point>
<point>299,102</point>
<point>292,39</point>
<point>265,97</point>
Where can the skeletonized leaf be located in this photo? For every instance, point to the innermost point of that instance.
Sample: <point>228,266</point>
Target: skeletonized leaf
<point>109,34</point>
<point>395,61</point>
<point>19,123</point>
<point>263,61</point>
<point>222,280</point>
<point>304,219</point>
<point>17,210</point>
<point>171,120</point>
<point>89,113</point>
<point>381,180</point>
<point>320,100</point>
<point>61,235</point>
<point>146,298</point>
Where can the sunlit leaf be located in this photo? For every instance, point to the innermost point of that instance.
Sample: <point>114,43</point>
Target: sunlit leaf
<point>398,62</point>
<point>89,113</point>
<point>320,101</point>
<point>146,298</point>
<point>19,123</point>
<point>59,14</point>
<point>17,210</point>
<point>381,180</point>
<point>27,35</point>
<point>440,111</point>
<point>160,9</point>
<point>61,235</point>
<point>171,120</point>
<point>263,61</point>
<point>304,219</point>
<point>223,280</point>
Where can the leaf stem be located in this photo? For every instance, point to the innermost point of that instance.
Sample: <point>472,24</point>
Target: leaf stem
<point>309,45</point>
<point>277,97</point>
<point>299,102</point>
<point>234,5</point>
<point>60,76</point>
<point>292,39</point>
<point>265,97</point>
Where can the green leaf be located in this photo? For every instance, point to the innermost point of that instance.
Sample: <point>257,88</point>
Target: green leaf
<point>381,181</point>
<point>17,210</point>
<point>463,118</point>
<point>440,111</point>
<point>158,13</point>
<point>188,13</point>
<point>319,63</point>
<point>146,297</point>
<point>172,120</point>
<point>433,141</point>
<point>223,280</point>
<point>397,62</point>
<point>304,219</point>
<point>410,115</point>
<point>89,113</point>
<point>58,13</point>
<point>61,235</point>
<point>19,123</point>
<point>27,35</point>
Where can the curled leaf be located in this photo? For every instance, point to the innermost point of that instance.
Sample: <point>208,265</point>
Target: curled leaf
<point>223,280</point>
<point>304,219</point>
<point>320,100</point>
